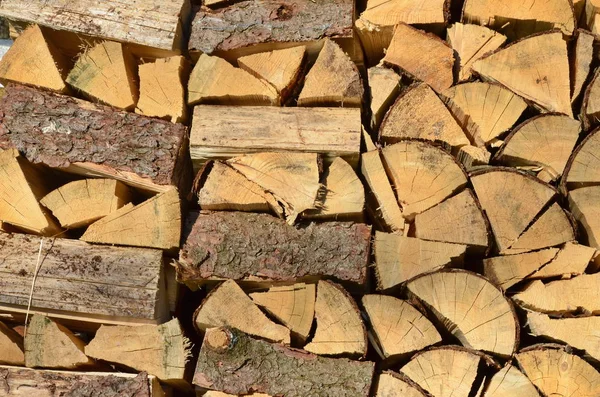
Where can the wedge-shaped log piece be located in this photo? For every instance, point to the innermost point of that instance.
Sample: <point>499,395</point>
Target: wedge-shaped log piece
<point>590,108</point>
<point>398,329</point>
<point>471,42</point>
<point>333,80</point>
<point>457,220</point>
<point>332,249</point>
<point>244,364</point>
<point>160,350</point>
<point>571,260</point>
<point>21,186</point>
<point>500,193</point>
<point>423,175</point>
<point>562,296</point>
<point>384,85</point>
<point>484,110</point>
<point>419,113</point>
<point>581,62</point>
<point>423,56</point>
<point>83,202</point>
<point>34,60</point>
<point>162,89</point>
<point>509,382</point>
<point>475,310</point>
<point>61,131</point>
<point>399,258</point>
<point>517,19</point>
<point>228,305</point>
<point>583,168</point>
<point>11,347</point>
<point>155,223</point>
<point>556,372</point>
<point>473,156</point>
<point>508,270</point>
<point>340,330</point>
<point>585,205</point>
<point>536,68</point>
<point>50,345</point>
<point>392,384</point>
<point>292,305</point>
<point>544,141</point>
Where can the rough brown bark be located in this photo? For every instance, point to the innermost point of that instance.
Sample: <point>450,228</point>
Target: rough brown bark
<point>241,245</point>
<point>233,362</point>
<point>62,131</point>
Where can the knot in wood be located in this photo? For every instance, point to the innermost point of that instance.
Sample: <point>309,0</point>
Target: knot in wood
<point>220,340</point>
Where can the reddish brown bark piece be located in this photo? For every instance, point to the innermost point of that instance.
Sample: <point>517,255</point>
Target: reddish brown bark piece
<point>240,245</point>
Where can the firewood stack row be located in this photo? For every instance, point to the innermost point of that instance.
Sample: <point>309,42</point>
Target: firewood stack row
<point>309,198</point>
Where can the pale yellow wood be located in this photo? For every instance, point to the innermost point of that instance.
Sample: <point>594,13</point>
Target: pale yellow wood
<point>160,350</point>
<point>212,393</point>
<point>155,223</point>
<point>536,68</point>
<point>162,91</point>
<point>398,328</point>
<point>106,73</point>
<point>228,305</point>
<point>375,39</point>
<point>11,347</point>
<point>472,156</point>
<point>506,271</point>
<point>50,345</point>
<point>584,204</point>
<point>214,80</point>
<point>399,258</point>
<point>293,306</point>
<point>393,385</point>
<point>471,42</point>
<point>584,165</point>
<point>571,260</point>
<point>83,202</point>
<point>590,108</point>
<point>582,62</point>
<point>510,382</point>
<point>367,141</point>
<point>419,113</point>
<point>384,85</point>
<point>589,18</point>
<point>340,330</point>
<point>34,60</point>
<point>474,310</point>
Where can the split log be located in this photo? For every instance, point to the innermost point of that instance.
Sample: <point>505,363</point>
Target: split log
<point>60,131</point>
<point>572,260</point>
<point>11,347</point>
<point>228,306</point>
<point>509,382</point>
<point>423,56</point>
<point>474,310</point>
<point>471,42</point>
<point>384,85</point>
<point>398,329</point>
<point>419,113</point>
<point>392,384</point>
<point>80,203</point>
<point>399,258</point>
<point>590,108</point>
<point>472,157</point>
<point>508,270</point>
<point>583,168</point>
<point>332,250</point>
<point>584,203</point>
<point>34,60</point>
<point>155,223</point>
<point>244,364</point>
<point>581,62</point>
<point>536,68</point>
<point>484,110</point>
<point>587,12</point>
<point>50,345</point>
<point>544,141</point>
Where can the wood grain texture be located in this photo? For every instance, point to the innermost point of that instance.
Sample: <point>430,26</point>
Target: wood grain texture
<point>508,382</point>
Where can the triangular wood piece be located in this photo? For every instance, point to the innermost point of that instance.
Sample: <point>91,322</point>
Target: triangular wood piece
<point>333,80</point>
<point>472,156</point>
<point>50,345</point>
<point>391,384</point>
<point>399,258</point>
<point>510,382</point>
<point>292,178</point>
<point>228,305</point>
<point>543,141</point>
<point>581,62</point>
<point>423,56</point>
<point>422,174</point>
<point>583,167</point>
<point>474,310</point>
<point>155,223</point>
<point>293,305</point>
<point>21,186</point>
<point>160,350</point>
<point>571,260</point>
<point>472,42</point>
<point>562,296</point>
<point>500,193</point>
<point>384,85</point>
<point>280,68</point>
<point>162,89</point>
<point>457,220</point>
<point>34,60</point>
<point>584,204</point>
<point>419,113</point>
<point>508,270</point>
<point>106,73</point>
<point>367,141</point>
<point>484,110</point>
<point>397,328</point>
<point>215,81</point>
<point>590,108</point>
<point>536,68</point>
<point>340,330</point>
<point>80,203</point>
<point>11,347</point>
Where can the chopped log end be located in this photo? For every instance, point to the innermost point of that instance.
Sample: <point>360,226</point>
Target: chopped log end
<point>472,157</point>
<point>572,260</point>
<point>219,339</point>
<point>581,62</point>
<point>509,382</point>
<point>506,271</point>
<point>11,347</point>
<point>392,384</point>
<point>590,108</point>
<point>384,85</point>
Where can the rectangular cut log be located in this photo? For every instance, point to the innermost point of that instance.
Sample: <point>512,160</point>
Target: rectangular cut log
<point>78,281</point>
<point>259,247</point>
<point>95,140</point>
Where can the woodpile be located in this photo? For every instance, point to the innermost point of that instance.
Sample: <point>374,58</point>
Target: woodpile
<point>313,198</point>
